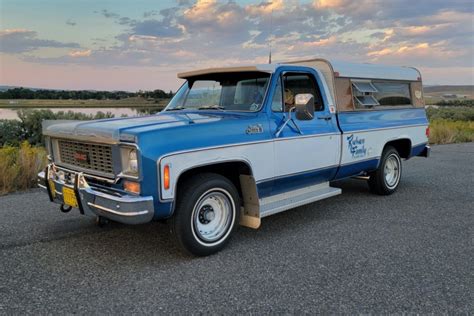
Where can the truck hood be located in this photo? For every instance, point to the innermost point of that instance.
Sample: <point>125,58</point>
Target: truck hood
<point>114,130</point>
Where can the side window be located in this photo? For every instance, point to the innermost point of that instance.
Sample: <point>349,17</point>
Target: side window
<point>277,100</point>
<point>372,93</point>
<point>392,93</point>
<point>300,83</point>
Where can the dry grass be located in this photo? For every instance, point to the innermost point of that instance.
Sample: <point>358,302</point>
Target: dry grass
<point>19,167</point>
<point>446,131</point>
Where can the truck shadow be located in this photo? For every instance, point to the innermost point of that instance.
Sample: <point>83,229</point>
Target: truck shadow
<point>152,244</point>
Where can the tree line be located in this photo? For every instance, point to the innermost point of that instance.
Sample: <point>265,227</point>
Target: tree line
<point>25,93</point>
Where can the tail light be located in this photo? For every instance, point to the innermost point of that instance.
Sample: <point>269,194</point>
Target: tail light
<point>427,132</point>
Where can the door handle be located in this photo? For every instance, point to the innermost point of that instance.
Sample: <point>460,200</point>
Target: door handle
<point>326,117</point>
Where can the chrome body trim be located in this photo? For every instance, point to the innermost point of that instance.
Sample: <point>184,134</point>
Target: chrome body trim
<point>116,212</point>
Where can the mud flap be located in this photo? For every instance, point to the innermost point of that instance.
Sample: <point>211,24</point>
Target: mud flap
<point>250,213</point>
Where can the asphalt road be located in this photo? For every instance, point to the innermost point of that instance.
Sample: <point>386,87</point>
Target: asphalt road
<point>354,253</point>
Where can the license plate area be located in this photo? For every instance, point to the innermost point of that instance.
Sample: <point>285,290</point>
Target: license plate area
<point>69,197</point>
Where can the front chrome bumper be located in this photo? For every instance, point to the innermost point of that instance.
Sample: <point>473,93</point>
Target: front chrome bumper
<point>123,208</point>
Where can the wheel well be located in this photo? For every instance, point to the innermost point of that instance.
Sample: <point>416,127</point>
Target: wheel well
<point>231,170</point>
<point>403,146</point>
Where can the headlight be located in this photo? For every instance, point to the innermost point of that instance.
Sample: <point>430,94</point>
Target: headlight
<point>129,161</point>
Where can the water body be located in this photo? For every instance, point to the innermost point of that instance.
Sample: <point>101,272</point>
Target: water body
<point>11,114</point>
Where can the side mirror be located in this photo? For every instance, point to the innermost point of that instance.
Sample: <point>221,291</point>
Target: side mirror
<point>304,104</point>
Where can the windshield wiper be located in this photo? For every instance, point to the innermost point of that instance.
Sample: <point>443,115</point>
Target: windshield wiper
<point>178,108</point>
<point>211,107</point>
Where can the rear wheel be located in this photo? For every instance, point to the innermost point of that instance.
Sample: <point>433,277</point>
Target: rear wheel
<point>386,178</point>
<point>206,213</point>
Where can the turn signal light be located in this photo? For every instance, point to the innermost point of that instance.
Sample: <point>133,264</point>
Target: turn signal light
<point>130,186</point>
<point>166,177</point>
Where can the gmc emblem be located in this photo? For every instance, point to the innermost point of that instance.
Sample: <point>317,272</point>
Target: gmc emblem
<point>81,156</point>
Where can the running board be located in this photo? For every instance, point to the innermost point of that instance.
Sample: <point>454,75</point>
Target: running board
<point>285,201</point>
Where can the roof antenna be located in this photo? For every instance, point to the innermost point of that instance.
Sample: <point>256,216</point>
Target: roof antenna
<point>271,38</point>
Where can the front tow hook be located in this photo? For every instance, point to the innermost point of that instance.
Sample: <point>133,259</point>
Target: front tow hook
<point>65,208</point>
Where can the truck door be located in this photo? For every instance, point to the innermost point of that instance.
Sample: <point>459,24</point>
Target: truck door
<point>307,152</point>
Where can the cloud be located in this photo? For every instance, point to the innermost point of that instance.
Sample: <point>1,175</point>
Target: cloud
<point>108,14</point>
<point>23,40</point>
<point>265,7</point>
<point>156,28</point>
<point>151,13</point>
<point>70,22</point>
<point>80,53</point>
<point>209,32</point>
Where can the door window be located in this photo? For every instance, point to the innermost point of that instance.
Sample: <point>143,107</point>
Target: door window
<point>293,84</point>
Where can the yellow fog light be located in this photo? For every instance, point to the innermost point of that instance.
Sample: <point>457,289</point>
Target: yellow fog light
<point>130,186</point>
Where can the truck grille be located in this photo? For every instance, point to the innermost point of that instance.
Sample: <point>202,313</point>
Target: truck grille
<point>86,155</point>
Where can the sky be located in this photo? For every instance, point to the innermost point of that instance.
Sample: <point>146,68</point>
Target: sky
<point>143,44</point>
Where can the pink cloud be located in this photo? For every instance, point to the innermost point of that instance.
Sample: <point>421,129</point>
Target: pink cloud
<point>80,53</point>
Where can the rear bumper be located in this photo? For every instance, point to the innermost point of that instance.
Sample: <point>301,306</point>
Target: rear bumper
<point>127,209</point>
<point>426,152</point>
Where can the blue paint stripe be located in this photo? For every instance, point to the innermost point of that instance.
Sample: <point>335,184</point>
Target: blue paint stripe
<point>291,182</point>
<point>356,168</point>
<point>367,120</point>
<point>416,150</point>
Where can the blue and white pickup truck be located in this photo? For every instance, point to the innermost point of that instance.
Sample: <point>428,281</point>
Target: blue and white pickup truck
<point>238,144</point>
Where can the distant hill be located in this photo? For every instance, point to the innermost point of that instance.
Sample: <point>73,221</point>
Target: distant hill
<point>448,94</point>
<point>467,90</point>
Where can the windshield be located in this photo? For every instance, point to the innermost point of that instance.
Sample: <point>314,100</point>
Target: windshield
<point>239,91</point>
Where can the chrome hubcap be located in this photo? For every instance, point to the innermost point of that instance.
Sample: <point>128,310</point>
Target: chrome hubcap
<point>213,215</point>
<point>392,171</point>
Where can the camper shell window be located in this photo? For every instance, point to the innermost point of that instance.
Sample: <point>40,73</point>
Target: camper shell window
<point>380,93</point>
<point>366,101</point>
<point>363,91</point>
<point>392,93</point>
<point>364,86</point>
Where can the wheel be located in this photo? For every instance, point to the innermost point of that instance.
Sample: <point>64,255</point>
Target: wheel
<point>385,180</point>
<point>207,209</point>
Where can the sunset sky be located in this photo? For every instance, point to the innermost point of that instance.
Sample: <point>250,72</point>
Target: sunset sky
<point>142,44</point>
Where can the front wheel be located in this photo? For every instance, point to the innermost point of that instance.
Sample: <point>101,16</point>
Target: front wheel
<point>386,178</point>
<point>207,209</point>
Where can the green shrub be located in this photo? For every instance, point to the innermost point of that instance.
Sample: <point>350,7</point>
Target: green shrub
<point>451,113</point>
<point>465,102</point>
<point>11,132</point>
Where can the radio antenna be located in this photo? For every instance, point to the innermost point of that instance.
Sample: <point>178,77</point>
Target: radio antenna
<point>271,38</point>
